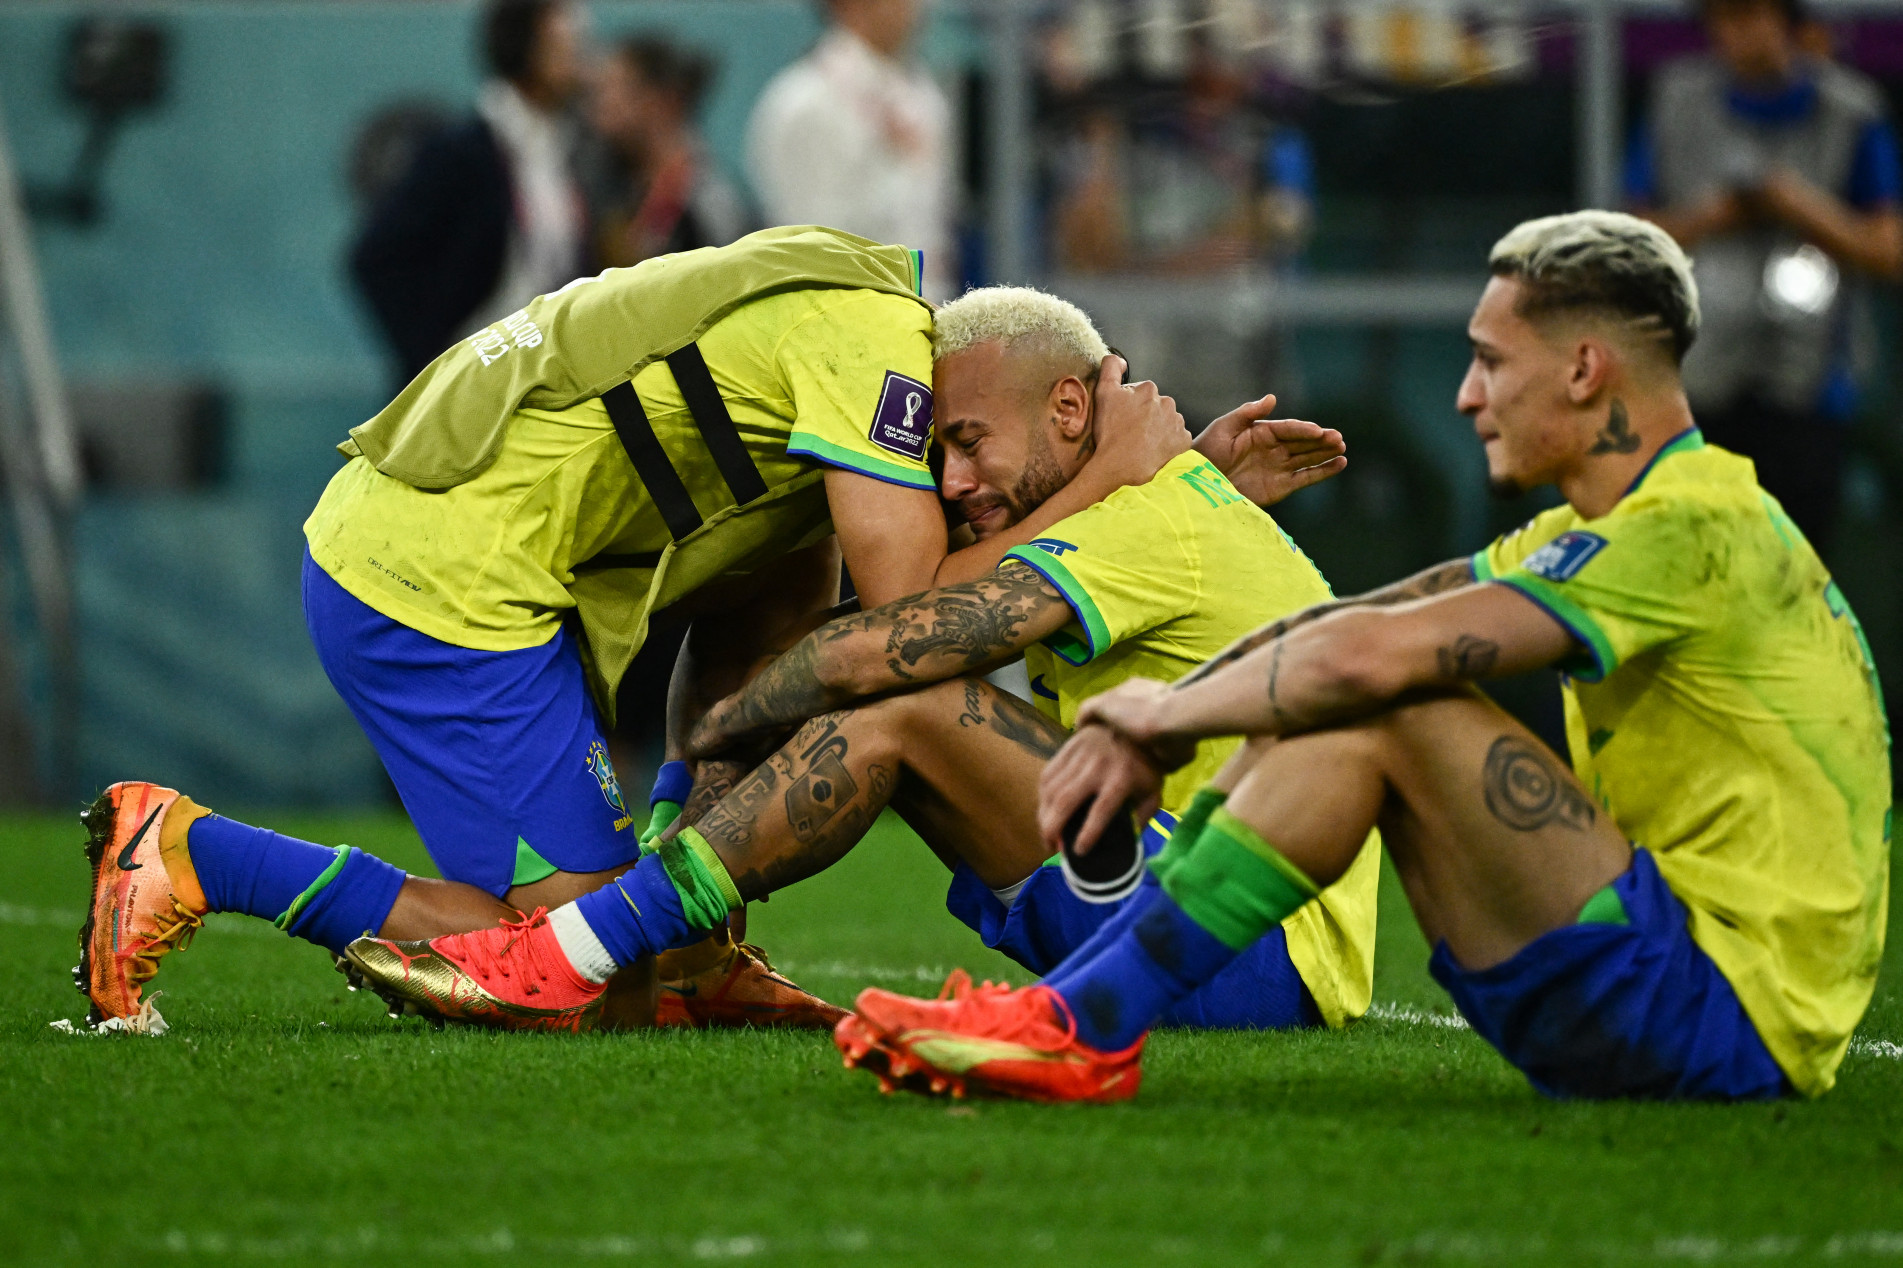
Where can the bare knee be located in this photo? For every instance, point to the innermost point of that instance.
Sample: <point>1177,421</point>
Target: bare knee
<point>914,715</point>
<point>1431,725</point>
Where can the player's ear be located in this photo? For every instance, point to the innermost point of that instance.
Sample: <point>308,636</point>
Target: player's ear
<point>1070,407</point>
<point>1590,370</point>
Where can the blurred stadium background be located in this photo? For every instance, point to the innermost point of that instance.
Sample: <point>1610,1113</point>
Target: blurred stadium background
<point>190,201</point>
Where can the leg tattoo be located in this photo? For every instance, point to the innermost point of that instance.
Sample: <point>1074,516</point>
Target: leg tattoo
<point>1526,791</point>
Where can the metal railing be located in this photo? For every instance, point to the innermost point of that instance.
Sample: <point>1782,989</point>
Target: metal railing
<point>40,456</point>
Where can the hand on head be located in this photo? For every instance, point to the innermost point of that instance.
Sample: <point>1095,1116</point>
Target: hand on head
<point>1137,428</point>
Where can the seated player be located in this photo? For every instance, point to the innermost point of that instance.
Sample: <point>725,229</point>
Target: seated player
<point>1152,580</point>
<point>1695,910</point>
<point>692,432</point>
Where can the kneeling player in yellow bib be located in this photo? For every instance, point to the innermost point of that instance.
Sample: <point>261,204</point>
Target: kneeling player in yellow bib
<point>1695,910</point>
<point>692,433</point>
<point>1152,580</point>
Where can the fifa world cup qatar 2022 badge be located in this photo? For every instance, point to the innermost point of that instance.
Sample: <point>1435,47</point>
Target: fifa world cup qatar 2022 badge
<point>604,772</point>
<point>903,422</point>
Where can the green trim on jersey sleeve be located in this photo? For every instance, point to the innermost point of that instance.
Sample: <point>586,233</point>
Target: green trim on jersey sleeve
<point>1096,629</point>
<point>1482,566</point>
<point>1576,620</point>
<point>808,446</point>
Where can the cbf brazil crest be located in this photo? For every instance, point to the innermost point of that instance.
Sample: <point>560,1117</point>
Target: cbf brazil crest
<point>604,772</point>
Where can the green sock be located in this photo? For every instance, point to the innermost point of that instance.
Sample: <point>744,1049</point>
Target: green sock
<point>1205,803</point>
<point>1235,884</point>
<point>707,893</point>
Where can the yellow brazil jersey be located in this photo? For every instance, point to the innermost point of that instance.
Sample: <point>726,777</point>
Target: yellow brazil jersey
<point>1725,712</point>
<point>831,376</point>
<point>1161,577</point>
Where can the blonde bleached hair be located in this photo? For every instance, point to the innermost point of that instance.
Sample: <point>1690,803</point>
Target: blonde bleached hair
<point>1603,263</point>
<point>1023,319</point>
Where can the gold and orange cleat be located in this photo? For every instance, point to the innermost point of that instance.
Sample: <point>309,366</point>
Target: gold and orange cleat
<point>510,977</point>
<point>984,1040</point>
<point>722,983</point>
<point>146,899</point>
<point>718,983</point>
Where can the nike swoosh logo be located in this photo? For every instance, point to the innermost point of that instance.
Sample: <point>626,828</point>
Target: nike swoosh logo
<point>125,856</point>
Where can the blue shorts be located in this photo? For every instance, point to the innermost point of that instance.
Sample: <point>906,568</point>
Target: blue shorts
<point>498,756</point>
<point>1632,1010</point>
<point>1259,990</point>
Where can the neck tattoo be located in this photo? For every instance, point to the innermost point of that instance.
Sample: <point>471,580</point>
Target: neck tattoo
<point>1616,436</point>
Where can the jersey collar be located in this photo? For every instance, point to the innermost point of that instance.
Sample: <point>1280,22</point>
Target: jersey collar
<point>1686,441</point>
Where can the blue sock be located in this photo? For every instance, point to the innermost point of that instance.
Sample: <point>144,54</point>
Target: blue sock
<point>323,895</point>
<point>1107,933</point>
<point>1157,959</point>
<point>639,913</point>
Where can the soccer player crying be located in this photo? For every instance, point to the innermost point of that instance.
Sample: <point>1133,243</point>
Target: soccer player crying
<point>885,708</point>
<point>710,433</point>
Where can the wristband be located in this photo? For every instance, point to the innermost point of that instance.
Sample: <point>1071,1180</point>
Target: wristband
<point>673,782</point>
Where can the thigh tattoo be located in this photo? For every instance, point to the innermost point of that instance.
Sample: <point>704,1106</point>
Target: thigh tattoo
<point>1526,791</point>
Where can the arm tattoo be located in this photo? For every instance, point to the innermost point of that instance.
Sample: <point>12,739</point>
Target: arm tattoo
<point>1526,791</point>
<point>1439,579</point>
<point>923,638</point>
<point>1275,674</point>
<point>1469,657</point>
<point>784,692</point>
<point>964,625</point>
<point>1616,436</point>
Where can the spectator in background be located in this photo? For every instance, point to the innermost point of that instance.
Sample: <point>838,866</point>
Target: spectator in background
<point>488,216</point>
<point>856,136</point>
<point>676,199</point>
<point>1196,180</point>
<point>1778,171</point>
<point>1188,178</point>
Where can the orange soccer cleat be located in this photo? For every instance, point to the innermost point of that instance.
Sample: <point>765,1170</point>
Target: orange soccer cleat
<point>146,900</point>
<point>514,976</point>
<point>987,1040</point>
<point>720,983</point>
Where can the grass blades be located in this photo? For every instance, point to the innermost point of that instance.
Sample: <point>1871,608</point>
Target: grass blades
<point>286,1120</point>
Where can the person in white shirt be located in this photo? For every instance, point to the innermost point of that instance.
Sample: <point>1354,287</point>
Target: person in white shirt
<point>858,136</point>
<point>487,215</point>
<point>525,113</point>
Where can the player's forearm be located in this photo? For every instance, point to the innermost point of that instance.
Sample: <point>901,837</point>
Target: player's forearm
<point>1290,684</point>
<point>926,638</point>
<point>1439,579</point>
<point>1334,669</point>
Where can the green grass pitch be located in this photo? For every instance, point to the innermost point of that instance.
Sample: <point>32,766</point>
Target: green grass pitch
<point>287,1120</point>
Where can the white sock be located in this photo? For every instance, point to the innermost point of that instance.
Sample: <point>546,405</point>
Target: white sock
<point>580,945</point>
<point>1009,894</point>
